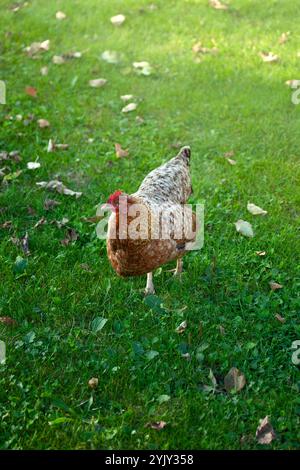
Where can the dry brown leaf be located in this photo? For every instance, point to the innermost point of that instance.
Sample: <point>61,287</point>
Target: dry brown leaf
<point>37,47</point>
<point>217,5</point>
<point>255,210</point>
<point>120,153</point>
<point>275,286</point>
<point>60,15</point>
<point>59,187</point>
<point>222,329</point>
<point>118,20</point>
<point>8,224</point>
<point>31,211</point>
<point>44,71</point>
<point>97,82</point>
<point>182,327</point>
<point>33,165</point>
<point>85,267</point>
<point>130,107</point>
<point>58,59</point>
<point>93,382</point>
<point>126,97</point>
<point>31,91</point>
<point>244,228</point>
<point>269,57</point>
<point>50,204</point>
<point>158,425</point>
<point>52,146</point>
<point>230,161</point>
<point>199,49</point>
<point>284,37</point>
<point>279,318</point>
<point>40,222</point>
<point>265,433</point>
<point>8,321</point>
<point>234,380</point>
<point>260,253</point>
<point>24,241</point>
<point>43,123</point>
<point>71,236</point>
<point>229,154</point>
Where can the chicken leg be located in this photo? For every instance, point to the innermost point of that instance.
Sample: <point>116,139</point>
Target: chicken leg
<point>149,286</point>
<point>178,269</point>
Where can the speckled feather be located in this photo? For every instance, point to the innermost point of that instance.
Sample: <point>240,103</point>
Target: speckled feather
<point>167,185</point>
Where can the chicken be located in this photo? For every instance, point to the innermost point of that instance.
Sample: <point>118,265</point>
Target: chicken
<point>145,228</point>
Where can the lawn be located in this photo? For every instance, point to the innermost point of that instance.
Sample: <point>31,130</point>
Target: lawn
<point>220,102</point>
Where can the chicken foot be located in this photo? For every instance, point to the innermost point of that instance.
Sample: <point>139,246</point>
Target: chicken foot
<point>149,286</point>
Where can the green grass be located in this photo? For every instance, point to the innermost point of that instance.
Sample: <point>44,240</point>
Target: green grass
<point>229,101</point>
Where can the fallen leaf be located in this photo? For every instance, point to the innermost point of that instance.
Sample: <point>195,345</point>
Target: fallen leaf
<point>279,318</point>
<point>139,120</point>
<point>118,20</point>
<point>244,228</point>
<point>217,5</point>
<point>97,82</point>
<point>71,236</point>
<point>52,146</point>
<point>60,15</point>
<point>13,155</point>
<point>59,187</point>
<point>31,211</point>
<point>182,327</point>
<point>93,382</point>
<point>31,91</point>
<point>8,321</point>
<point>255,210</point>
<point>234,380</point>
<point>33,165</point>
<point>222,329</point>
<point>58,59</point>
<point>269,57</point>
<point>121,153</point>
<point>73,55</point>
<point>260,253</point>
<point>44,71</point>
<point>37,47</point>
<point>284,37</point>
<point>60,223</point>
<point>265,433</point>
<point>40,222</point>
<point>126,97</point>
<point>229,154</point>
<point>98,323</point>
<point>111,57</point>
<point>275,286</point>
<point>85,267</point>
<point>50,204</point>
<point>199,49</point>
<point>142,68</point>
<point>43,123</point>
<point>158,425</point>
<point>130,107</point>
<point>230,161</point>
<point>24,241</point>
<point>8,224</point>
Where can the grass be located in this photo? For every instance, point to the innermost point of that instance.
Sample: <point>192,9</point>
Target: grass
<point>231,101</point>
